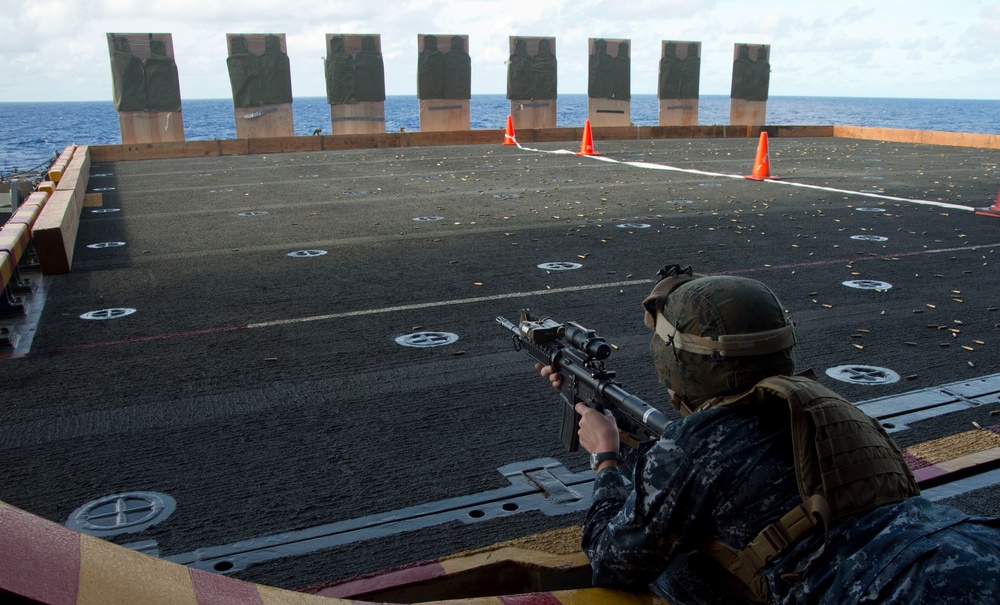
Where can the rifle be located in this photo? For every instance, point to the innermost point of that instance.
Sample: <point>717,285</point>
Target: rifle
<point>578,355</point>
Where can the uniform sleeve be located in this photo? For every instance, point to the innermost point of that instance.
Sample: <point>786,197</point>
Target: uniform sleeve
<point>632,532</point>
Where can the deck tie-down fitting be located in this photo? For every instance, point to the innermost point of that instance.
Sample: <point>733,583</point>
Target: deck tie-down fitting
<point>543,485</point>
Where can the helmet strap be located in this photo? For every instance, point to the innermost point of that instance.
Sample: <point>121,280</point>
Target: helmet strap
<point>727,345</point>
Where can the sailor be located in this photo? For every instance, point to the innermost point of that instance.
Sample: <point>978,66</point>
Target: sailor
<point>770,488</point>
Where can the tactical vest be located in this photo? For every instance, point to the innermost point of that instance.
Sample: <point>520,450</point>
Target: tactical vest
<point>845,465</point>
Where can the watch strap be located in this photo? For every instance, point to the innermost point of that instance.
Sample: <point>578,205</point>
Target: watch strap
<point>597,458</point>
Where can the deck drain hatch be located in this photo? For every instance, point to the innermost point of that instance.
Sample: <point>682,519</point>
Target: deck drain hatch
<point>105,210</point>
<point>560,266</point>
<point>507,196</point>
<point>103,314</point>
<point>870,238</point>
<point>428,219</point>
<point>106,245</point>
<point>306,253</point>
<point>710,184</point>
<point>121,513</point>
<point>632,226</point>
<point>868,284</point>
<point>859,374</point>
<point>679,202</point>
<point>254,213</point>
<point>870,209</point>
<point>424,340</point>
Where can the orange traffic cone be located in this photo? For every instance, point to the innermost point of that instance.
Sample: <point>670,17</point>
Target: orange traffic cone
<point>508,137</point>
<point>587,147</point>
<point>993,210</point>
<point>762,164</point>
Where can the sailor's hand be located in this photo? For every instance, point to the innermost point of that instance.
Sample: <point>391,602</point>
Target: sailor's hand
<point>598,432</point>
<point>550,373</point>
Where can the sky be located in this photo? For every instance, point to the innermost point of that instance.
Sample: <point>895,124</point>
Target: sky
<point>56,50</point>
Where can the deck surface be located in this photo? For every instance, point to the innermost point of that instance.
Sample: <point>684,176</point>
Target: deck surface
<point>260,384</point>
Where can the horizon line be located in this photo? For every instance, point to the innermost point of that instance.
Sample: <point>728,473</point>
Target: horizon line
<point>573,94</point>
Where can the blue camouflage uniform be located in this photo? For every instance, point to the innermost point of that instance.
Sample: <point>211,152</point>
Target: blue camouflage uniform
<point>728,472</point>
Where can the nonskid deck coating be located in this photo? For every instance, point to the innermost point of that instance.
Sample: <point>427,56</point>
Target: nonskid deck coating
<point>318,416</point>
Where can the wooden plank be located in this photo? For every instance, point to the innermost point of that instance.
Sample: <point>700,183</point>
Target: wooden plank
<point>77,172</point>
<point>443,115</point>
<point>534,113</point>
<point>819,131</point>
<point>460,137</point>
<point>362,141</point>
<point>678,112</point>
<point>55,231</point>
<point>57,225</point>
<point>114,153</point>
<point>154,151</point>
<point>233,147</point>
<point>283,144</point>
<point>926,137</point>
<point>264,121</point>
<point>151,126</point>
<point>753,113</point>
<point>364,117</point>
<point>608,112</point>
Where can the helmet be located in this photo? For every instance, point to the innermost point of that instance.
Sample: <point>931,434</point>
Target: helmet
<point>716,336</point>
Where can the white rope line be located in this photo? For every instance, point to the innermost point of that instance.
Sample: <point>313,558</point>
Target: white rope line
<point>651,166</point>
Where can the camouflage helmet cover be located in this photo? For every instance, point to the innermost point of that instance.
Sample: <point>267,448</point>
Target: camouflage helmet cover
<point>717,335</point>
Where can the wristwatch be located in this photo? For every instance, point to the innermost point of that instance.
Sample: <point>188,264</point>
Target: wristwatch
<point>598,457</point>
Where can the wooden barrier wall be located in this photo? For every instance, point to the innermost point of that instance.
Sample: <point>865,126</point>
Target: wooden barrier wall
<point>150,151</point>
<point>920,137</point>
<point>54,231</point>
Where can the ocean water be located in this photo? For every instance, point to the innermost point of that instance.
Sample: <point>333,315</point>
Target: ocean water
<point>32,133</point>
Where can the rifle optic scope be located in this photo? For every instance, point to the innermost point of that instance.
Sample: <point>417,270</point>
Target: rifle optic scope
<point>587,341</point>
